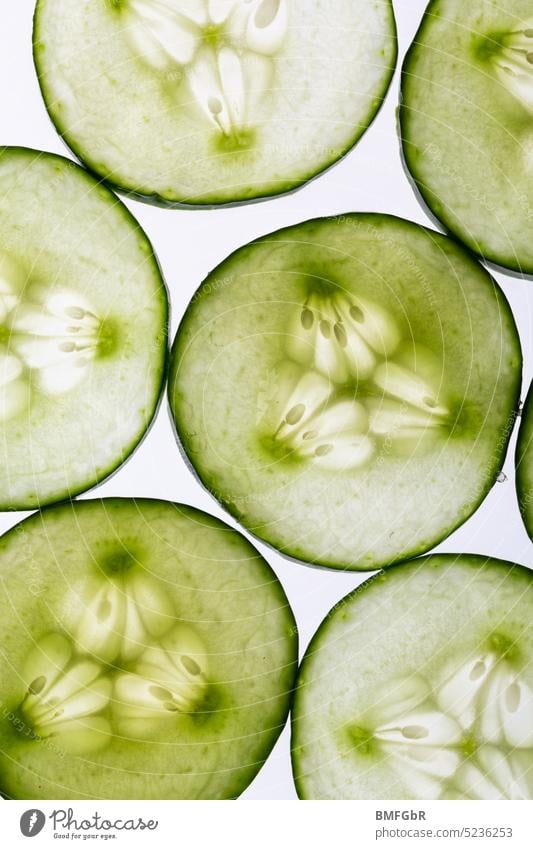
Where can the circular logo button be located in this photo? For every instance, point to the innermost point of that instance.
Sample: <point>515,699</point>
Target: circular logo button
<point>32,822</point>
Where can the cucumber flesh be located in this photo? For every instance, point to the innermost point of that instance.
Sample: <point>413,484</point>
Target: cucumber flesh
<point>344,364</point>
<point>465,123</point>
<point>420,686</point>
<point>153,656</point>
<point>213,101</point>
<point>83,323</point>
<point>524,464</point>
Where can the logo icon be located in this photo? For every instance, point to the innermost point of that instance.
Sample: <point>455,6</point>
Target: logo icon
<point>32,822</point>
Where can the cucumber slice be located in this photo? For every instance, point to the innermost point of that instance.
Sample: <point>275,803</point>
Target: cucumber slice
<point>344,387</point>
<point>524,463</point>
<point>212,101</point>
<point>419,685</point>
<point>465,123</point>
<point>83,327</point>
<point>149,653</point>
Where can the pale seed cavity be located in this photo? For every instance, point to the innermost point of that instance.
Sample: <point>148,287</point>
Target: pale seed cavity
<point>513,64</point>
<point>123,617</point>
<point>467,731</point>
<point>512,697</point>
<point>357,314</point>
<point>68,697</point>
<point>415,732</point>
<point>72,694</point>
<point>168,678</point>
<point>190,665</point>
<point>48,342</point>
<point>225,52</point>
<point>351,385</point>
<point>307,318</point>
<point>295,414</point>
<point>37,686</point>
<point>313,424</point>
<point>478,670</point>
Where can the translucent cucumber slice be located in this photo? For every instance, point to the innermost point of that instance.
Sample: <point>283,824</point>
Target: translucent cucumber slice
<point>524,464</point>
<point>149,652</point>
<point>419,685</point>
<point>466,123</point>
<point>346,388</point>
<point>83,327</point>
<point>212,101</point>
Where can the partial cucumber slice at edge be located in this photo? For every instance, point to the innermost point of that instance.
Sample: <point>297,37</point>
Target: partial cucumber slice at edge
<point>34,265</point>
<point>277,188</point>
<point>410,686</point>
<point>524,463</point>
<point>440,210</point>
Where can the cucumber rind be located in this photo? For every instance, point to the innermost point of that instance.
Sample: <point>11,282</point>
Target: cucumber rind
<point>108,196</point>
<point>524,463</point>
<point>473,561</point>
<point>312,646</point>
<point>428,200</point>
<point>210,484</point>
<point>145,195</point>
<point>245,775</point>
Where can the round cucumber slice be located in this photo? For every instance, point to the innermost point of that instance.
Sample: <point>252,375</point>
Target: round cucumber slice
<point>465,123</point>
<point>149,652</point>
<point>346,388</point>
<point>212,101</point>
<point>419,685</point>
<point>524,463</point>
<point>83,330</point>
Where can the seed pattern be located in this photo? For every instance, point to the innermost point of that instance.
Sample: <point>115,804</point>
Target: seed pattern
<point>165,679</point>
<point>513,64</point>
<point>468,731</point>
<point>76,687</point>
<point>337,344</point>
<point>69,696</point>
<point>48,343</point>
<point>225,50</point>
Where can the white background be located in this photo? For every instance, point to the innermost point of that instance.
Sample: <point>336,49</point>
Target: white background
<point>189,245</point>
